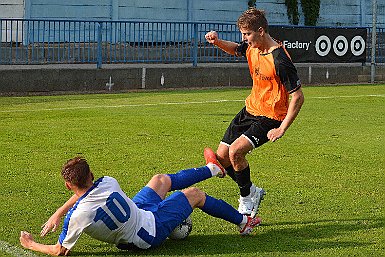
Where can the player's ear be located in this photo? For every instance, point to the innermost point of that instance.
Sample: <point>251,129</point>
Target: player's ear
<point>261,31</point>
<point>68,185</point>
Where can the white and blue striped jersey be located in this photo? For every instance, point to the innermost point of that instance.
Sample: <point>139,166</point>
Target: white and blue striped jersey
<point>107,214</point>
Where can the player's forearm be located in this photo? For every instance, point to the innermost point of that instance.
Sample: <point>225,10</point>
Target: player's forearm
<point>61,211</point>
<point>227,46</point>
<point>293,110</point>
<point>55,250</point>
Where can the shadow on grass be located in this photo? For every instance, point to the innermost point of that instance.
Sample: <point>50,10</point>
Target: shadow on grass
<point>289,237</point>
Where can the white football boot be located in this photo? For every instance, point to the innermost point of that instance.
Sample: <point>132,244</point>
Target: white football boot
<point>249,205</point>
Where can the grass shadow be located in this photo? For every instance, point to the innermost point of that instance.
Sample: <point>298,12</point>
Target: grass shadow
<point>287,237</point>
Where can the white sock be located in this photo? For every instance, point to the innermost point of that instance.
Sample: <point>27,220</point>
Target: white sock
<point>214,169</point>
<point>244,221</point>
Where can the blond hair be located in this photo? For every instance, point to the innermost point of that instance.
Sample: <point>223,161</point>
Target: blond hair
<point>253,19</point>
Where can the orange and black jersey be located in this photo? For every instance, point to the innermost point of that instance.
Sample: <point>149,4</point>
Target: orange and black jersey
<point>274,78</point>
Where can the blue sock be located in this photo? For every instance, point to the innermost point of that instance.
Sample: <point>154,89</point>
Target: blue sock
<point>220,209</point>
<point>186,178</point>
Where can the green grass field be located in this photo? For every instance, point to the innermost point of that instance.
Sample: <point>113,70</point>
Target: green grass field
<point>324,179</point>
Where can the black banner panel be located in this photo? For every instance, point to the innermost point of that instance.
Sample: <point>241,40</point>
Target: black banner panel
<point>322,45</point>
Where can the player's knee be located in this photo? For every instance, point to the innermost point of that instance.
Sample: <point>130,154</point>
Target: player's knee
<point>195,196</point>
<point>235,154</point>
<point>160,179</point>
<point>192,191</point>
<point>237,158</point>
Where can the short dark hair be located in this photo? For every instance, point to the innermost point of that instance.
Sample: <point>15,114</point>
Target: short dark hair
<point>76,171</point>
<point>253,19</point>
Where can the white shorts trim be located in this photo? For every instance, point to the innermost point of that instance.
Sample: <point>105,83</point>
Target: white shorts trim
<point>248,139</point>
<point>223,143</point>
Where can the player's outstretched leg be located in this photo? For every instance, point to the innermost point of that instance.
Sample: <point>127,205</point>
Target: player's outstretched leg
<point>221,209</point>
<point>189,177</point>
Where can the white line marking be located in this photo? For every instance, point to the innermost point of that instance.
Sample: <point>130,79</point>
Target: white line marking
<point>120,106</point>
<point>15,251</point>
<point>345,96</point>
<point>166,103</point>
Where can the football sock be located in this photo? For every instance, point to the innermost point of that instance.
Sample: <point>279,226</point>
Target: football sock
<point>230,171</point>
<point>214,169</point>
<point>244,181</point>
<point>220,209</point>
<point>186,178</point>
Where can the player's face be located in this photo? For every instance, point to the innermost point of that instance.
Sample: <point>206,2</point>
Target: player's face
<point>253,38</point>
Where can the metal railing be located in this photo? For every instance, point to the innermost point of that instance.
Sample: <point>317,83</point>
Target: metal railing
<point>30,41</point>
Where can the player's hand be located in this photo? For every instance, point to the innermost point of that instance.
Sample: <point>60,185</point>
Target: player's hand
<point>51,225</point>
<point>275,134</point>
<point>26,239</point>
<point>211,37</point>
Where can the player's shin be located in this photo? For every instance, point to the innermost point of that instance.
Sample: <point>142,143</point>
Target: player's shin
<point>243,180</point>
<point>189,177</point>
<point>231,172</point>
<point>220,209</point>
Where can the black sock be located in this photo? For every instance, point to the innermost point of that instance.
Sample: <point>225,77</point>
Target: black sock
<point>243,180</point>
<point>230,171</point>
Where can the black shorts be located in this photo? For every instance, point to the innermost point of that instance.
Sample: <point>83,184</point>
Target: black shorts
<point>254,128</point>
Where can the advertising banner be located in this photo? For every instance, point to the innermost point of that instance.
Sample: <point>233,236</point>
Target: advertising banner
<point>322,45</point>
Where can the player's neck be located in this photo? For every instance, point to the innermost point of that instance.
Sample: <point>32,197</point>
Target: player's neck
<point>269,44</point>
<point>81,191</point>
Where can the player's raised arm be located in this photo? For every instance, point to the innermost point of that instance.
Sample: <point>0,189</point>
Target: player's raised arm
<point>227,46</point>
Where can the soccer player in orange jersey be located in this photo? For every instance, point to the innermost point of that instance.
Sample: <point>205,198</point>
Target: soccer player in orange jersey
<point>268,113</point>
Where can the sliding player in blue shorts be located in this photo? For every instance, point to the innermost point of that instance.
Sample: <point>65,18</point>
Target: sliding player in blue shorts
<point>103,211</point>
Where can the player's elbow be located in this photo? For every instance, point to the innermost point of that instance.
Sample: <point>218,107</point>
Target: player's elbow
<point>298,97</point>
<point>59,250</point>
<point>301,99</point>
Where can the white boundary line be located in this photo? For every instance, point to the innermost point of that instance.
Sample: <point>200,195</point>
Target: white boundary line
<point>169,103</point>
<point>15,251</point>
<point>120,106</point>
<point>345,96</point>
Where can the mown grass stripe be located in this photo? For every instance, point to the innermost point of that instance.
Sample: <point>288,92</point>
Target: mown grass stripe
<point>166,103</point>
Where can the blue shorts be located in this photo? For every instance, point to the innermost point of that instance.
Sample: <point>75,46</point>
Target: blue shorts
<point>169,213</point>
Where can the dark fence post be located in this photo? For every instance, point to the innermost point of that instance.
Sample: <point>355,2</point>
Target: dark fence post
<point>195,45</point>
<point>99,52</point>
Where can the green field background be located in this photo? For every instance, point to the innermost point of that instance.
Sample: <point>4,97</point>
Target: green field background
<point>324,179</point>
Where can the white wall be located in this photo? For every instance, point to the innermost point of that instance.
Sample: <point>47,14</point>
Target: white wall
<point>11,9</point>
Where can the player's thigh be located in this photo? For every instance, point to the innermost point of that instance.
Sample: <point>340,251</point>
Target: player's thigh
<point>170,213</point>
<point>256,134</point>
<point>240,147</point>
<point>147,199</point>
